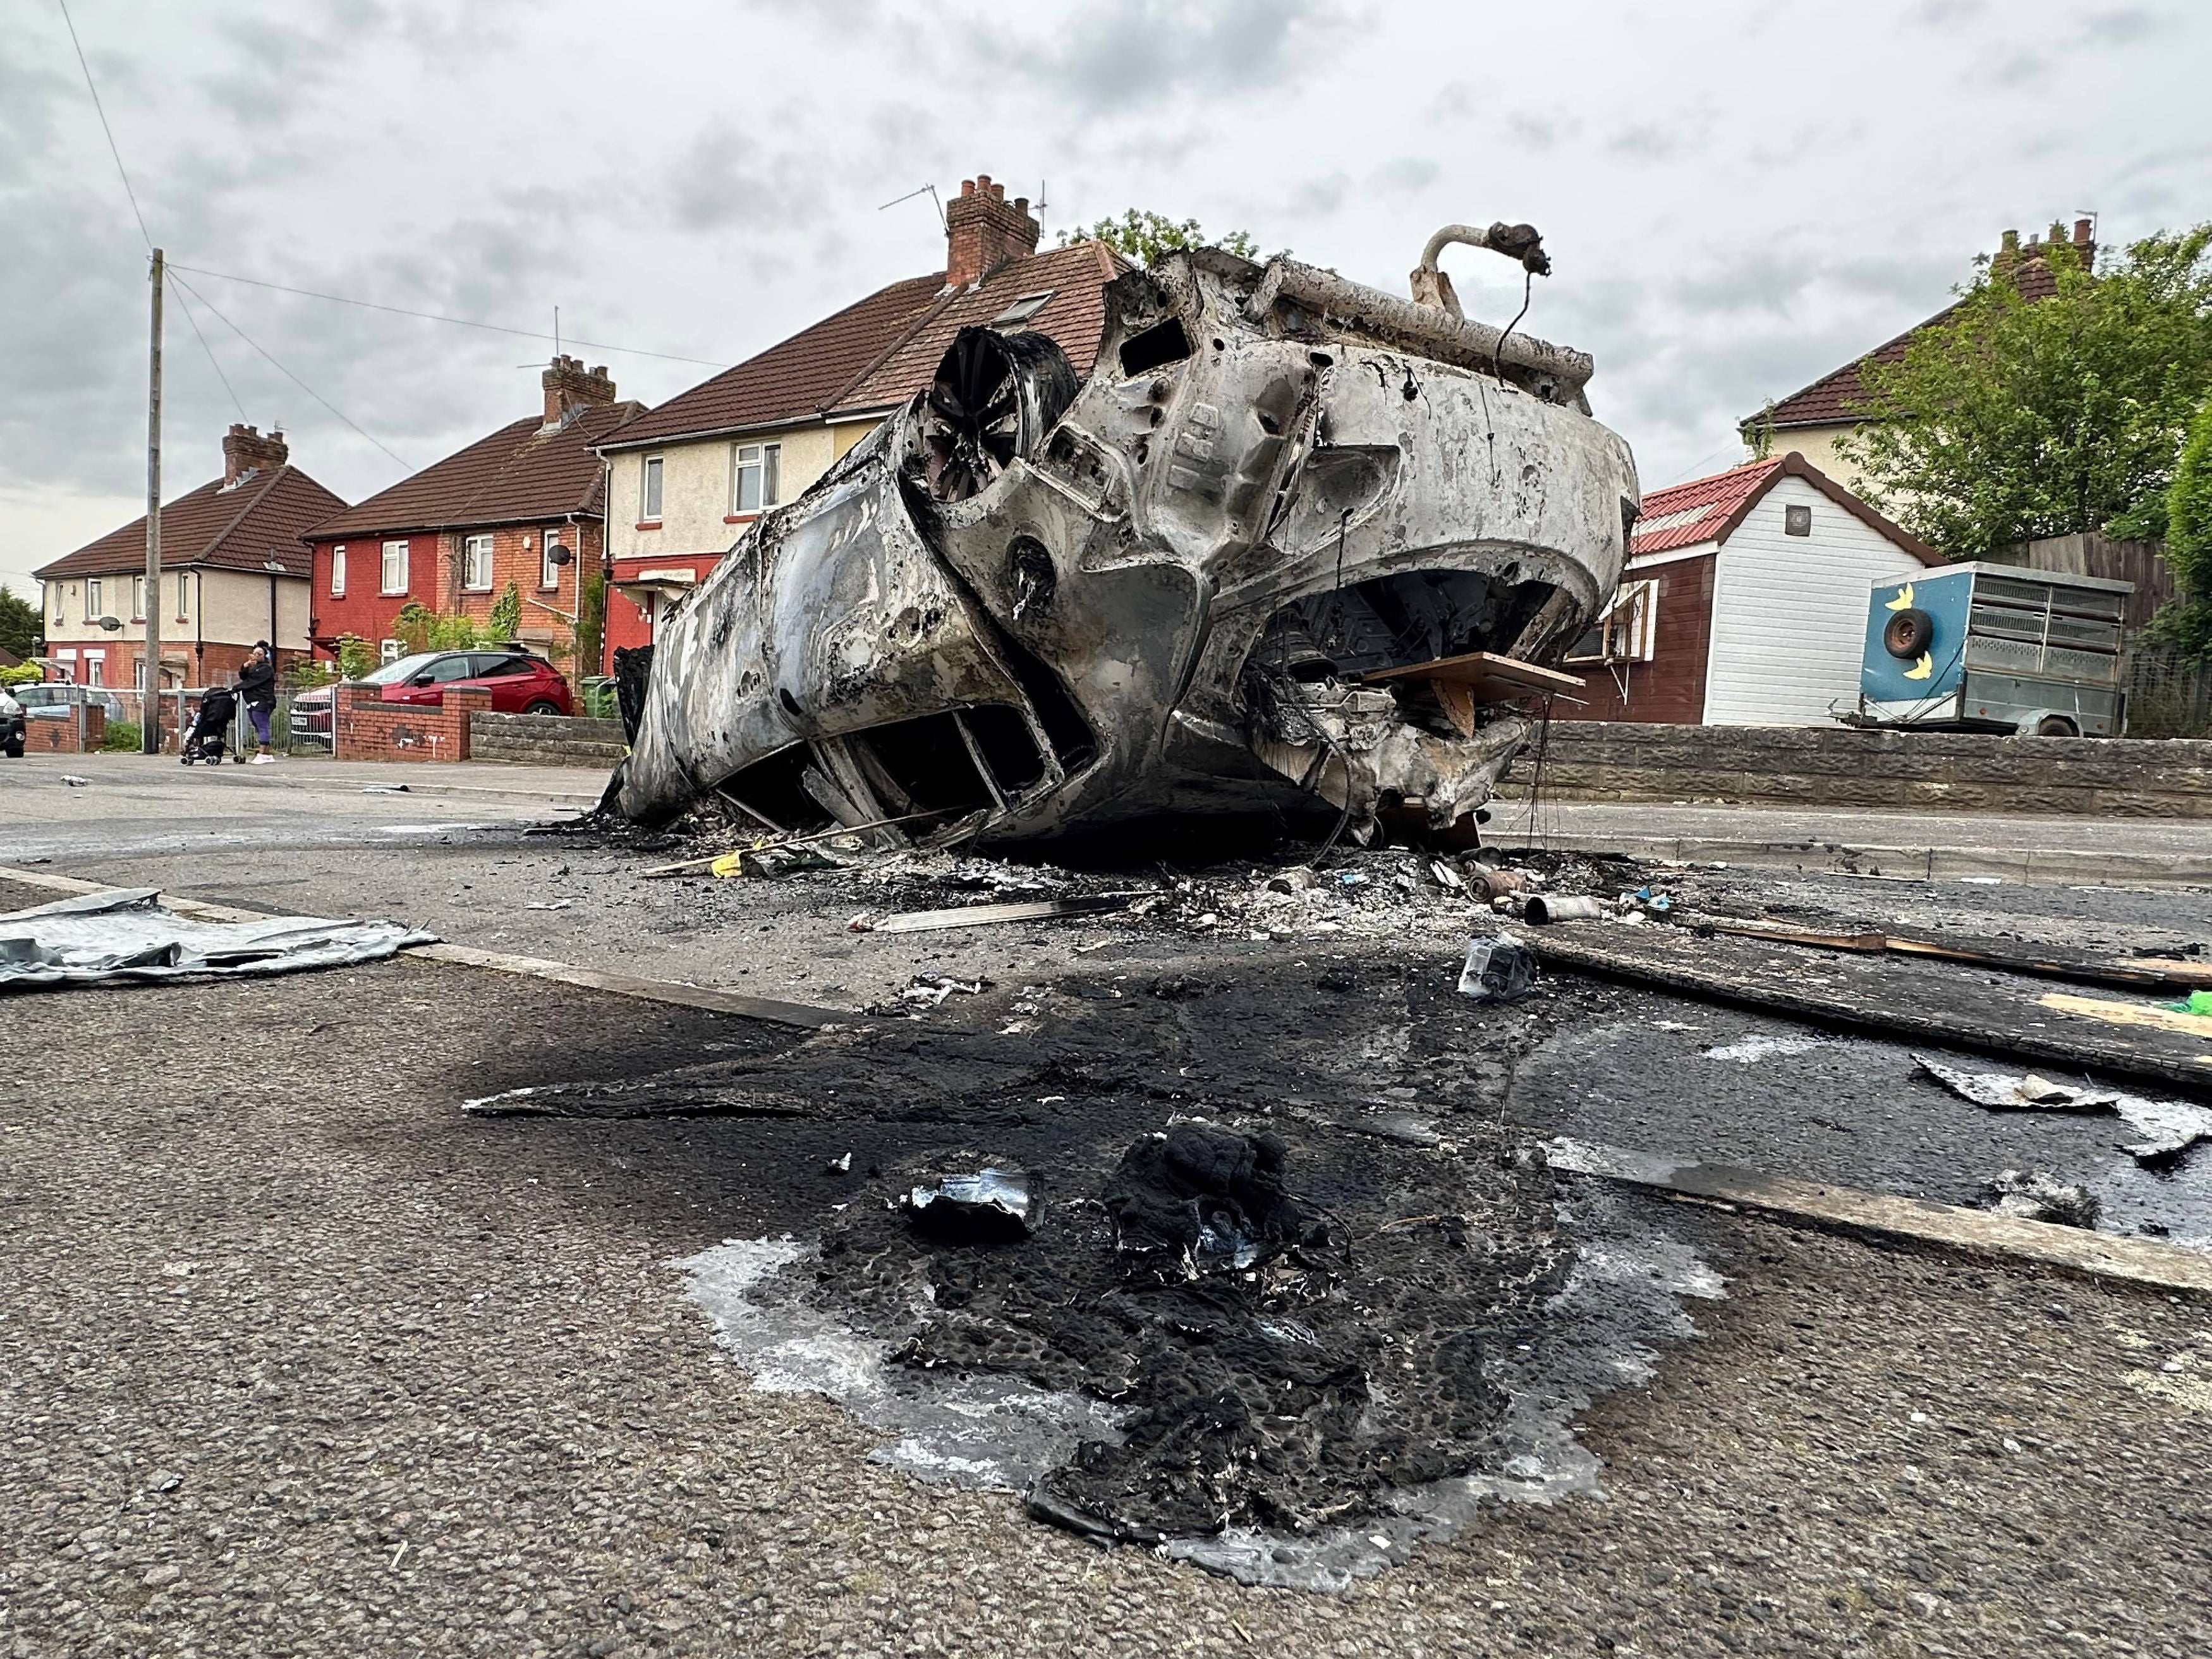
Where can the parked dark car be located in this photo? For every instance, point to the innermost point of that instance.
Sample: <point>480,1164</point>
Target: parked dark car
<point>519,684</point>
<point>11,725</point>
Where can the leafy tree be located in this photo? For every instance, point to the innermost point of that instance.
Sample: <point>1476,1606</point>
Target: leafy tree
<point>418,628</point>
<point>2187,622</point>
<point>21,674</point>
<point>356,657</point>
<point>588,635</point>
<point>505,615</point>
<point>2015,420</point>
<point>1148,237</point>
<point>19,627</point>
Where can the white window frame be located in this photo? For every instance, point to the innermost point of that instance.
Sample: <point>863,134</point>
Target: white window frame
<point>184,596</point>
<point>138,599</point>
<point>548,574</point>
<point>765,462</point>
<point>337,571</point>
<point>651,483</point>
<point>387,651</point>
<point>1024,310</point>
<point>95,668</point>
<point>385,563</point>
<point>472,548</point>
<point>1628,626</point>
<point>60,604</point>
<point>92,598</point>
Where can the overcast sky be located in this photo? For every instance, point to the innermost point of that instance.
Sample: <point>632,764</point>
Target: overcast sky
<point>1737,197</point>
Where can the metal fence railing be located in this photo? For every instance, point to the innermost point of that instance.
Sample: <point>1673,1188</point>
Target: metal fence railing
<point>2169,695</point>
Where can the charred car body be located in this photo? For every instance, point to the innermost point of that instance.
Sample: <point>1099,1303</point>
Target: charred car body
<point>1292,549</point>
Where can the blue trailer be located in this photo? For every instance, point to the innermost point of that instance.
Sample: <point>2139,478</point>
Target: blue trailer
<point>1996,647</point>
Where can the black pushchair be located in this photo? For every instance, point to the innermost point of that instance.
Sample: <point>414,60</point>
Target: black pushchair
<point>209,737</point>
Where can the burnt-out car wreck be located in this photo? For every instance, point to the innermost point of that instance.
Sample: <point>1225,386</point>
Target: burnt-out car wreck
<point>1297,548</point>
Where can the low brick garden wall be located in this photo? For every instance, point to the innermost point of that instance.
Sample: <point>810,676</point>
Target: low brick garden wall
<point>369,728</point>
<point>546,740</point>
<point>51,736</point>
<point>1839,766</point>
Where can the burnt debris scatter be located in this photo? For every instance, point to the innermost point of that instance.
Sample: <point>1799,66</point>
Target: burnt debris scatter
<point>1275,1367</point>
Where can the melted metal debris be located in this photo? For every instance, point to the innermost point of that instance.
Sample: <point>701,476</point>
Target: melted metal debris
<point>1299,1401</point>
<point>1296,548</point>
<point>2169,1128</point>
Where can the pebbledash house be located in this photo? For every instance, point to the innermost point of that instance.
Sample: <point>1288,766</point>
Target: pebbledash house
<point>521,507</point>
<point>685,479</point>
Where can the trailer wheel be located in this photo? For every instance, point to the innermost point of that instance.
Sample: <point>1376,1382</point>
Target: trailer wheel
<point>2056,726</point>
<point>1908,633</point>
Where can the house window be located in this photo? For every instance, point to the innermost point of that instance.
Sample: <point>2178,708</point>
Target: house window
<point>1796,520</point>
<point>649,498</point>
<point>183,607</point>
<point>92,601</point>
<point>139,598</point>
<point>548,574</point>
<point>57,603</point>
<point>755,477</point>
<point>476,563</point>
<point>387,651</point>
<point>1625,630</point>
<point>1018,315</point>
<point>395,568</point>
<point>95,668</point>
<point>337,572</point>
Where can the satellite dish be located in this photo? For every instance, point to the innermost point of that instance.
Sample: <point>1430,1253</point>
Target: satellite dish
<point>559,554</point>
<point>113,624</point>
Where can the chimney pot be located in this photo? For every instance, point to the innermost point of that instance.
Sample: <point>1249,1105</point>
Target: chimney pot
<point>570,386</point>
<point>245,450</point>
<point>983,231</point>
<point>2057,231</point>
<point>2082,232</point>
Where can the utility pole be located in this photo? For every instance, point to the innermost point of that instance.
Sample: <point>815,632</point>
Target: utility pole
<point>151,715</point>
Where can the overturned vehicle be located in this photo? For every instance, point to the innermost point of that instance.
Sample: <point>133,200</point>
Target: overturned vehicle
<point>1297,548</point>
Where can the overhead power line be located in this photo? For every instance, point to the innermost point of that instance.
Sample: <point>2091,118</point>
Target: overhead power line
<point>209,349</point>
<point>278,366</point>
<point>459,322</point>
<point>101,109</point>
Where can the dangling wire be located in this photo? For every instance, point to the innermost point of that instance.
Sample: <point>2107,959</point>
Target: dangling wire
<point>1497,351</point>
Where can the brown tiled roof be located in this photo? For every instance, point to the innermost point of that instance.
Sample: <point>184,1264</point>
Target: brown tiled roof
<point>1836,398</point>
<point>1075,316</point>
<point>883,350</point>
<point>518,474</point>
<point>249,526</point>
<point>1709,509</point>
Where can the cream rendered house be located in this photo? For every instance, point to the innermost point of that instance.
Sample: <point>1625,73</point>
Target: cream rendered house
<point>234,572</point>
<point>684,479</point>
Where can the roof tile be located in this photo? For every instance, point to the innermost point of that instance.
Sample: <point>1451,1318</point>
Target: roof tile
<point>250,526</point>
<point>519,473</point>
<point>882,349</point>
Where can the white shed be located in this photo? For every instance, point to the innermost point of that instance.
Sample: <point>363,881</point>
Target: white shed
<point>1744,601</point>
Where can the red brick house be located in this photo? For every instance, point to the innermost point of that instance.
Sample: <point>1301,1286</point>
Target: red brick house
<point>454,537</point>
<point>686,478</point>
<point>1743,602</point>
<point>233,571</point>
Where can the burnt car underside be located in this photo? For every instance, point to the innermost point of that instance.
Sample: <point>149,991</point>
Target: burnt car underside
<point>1296,548</point>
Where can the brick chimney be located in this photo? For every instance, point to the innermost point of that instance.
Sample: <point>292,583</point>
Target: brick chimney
<point>569,386</point>
<point>2008,253</point>
<point>244,450</point>
<point>983,230</point>
<point>2085,243</point>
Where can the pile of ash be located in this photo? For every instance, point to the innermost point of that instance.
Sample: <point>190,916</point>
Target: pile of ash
<point>1275,1366</point>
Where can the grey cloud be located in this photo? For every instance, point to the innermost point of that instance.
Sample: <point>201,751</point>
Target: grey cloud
<point>2126,25</point>
<point>727,176</point>
<point>1127,53</point>
<point>1647,141</point>
<point>2022,68</point>
<point>1946,14</point>
<point>1405,175</point>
